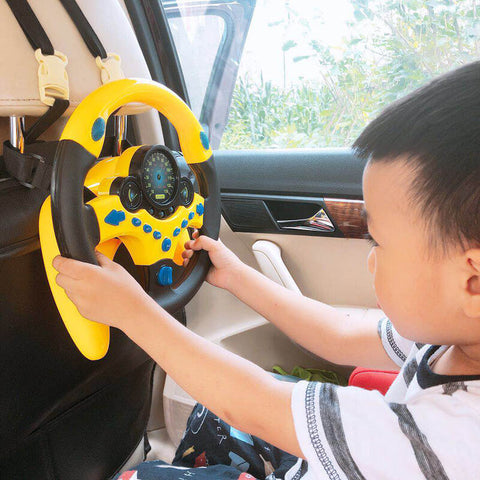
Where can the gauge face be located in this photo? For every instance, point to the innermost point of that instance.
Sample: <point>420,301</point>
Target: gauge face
<point>159,177</point>
<point>186,192</point>
<point>131,195</point>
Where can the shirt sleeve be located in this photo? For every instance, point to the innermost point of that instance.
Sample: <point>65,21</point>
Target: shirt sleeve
<point>348,433</point>
<point>396,346</point>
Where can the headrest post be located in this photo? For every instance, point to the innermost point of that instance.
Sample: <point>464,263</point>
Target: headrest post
<point>17,130</point>
<point>120,123</point>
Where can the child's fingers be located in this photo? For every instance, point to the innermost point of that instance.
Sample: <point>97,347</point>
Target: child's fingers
<point>201,243</point>
<point>65,281</point>
<point>195,235</point>
<point>103,260</point>
<point>187,253</point>
<point>68,266</point>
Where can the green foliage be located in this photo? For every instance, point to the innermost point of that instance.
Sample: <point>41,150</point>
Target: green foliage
<point>392,48</point>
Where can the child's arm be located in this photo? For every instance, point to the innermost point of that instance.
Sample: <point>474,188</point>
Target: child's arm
<point>319,328</point>
<point>236,390</point>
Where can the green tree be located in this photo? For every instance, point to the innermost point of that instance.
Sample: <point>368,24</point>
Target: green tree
<point>392,48</point>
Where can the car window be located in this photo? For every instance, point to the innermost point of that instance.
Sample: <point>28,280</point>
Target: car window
<point>209,36</point>
<point>313,74</point>
<point>197,38</point>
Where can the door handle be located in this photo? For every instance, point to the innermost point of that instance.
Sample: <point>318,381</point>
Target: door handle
<point>319,222</point>
<point>269,258</point>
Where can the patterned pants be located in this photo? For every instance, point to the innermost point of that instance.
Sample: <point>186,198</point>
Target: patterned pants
<point>212,449</point>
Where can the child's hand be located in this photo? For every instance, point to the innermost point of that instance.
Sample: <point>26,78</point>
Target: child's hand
<point>104,293</point>
<point>225,262</point>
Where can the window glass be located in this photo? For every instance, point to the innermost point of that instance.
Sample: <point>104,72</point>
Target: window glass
<point>210,36</point>
<point>313,73</point>
<point>197,39</point>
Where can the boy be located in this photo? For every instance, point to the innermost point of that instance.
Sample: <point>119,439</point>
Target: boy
<point>422,201</point>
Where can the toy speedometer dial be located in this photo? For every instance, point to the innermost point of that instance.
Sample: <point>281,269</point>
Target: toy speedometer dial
<point>159,176</point>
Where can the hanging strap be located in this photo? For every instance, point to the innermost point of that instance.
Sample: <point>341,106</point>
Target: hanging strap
<point>31,27</point>
<point>49,118</point>
<point>34,169</point>
<point>52,73</point>
<point>108,63</point>
<point>85,29</point>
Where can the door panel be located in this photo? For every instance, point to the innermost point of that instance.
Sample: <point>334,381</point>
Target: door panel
<point>293,192</point>
<point>329,172</point>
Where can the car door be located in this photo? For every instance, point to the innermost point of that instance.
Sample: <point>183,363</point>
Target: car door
<point>283,89</point>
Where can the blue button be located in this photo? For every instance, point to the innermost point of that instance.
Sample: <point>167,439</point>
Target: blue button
<point>200,209</point>
<point>157,235</point>
<point>115,217</point>
<point>176,232</point>
<point>204,140</point>
<point>136,222</point>
<point>98,129</point>
<point>164,276</point>
<point>191,215</point>
<point>166,244</point>
<point>147,228</point>
<point>184,223</point>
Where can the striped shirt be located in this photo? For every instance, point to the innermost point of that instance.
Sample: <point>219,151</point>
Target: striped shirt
<point>426,427</point>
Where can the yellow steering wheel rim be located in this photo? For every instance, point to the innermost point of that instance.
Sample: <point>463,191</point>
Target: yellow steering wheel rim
<point>86,127</point>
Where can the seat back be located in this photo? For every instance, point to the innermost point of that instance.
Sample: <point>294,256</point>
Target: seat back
<point>63,417</point>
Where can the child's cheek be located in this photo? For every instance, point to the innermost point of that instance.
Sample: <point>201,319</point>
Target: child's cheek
<point>381,282</point>
<point>371,261</point>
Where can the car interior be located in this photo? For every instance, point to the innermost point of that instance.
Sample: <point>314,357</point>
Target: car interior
<point>294,214</point>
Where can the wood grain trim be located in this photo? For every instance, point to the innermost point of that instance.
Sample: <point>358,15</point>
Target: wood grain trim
<point>348,216</point>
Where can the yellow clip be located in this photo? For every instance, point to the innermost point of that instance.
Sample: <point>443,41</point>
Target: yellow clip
<point>52,76</point>
<point>110,68</point>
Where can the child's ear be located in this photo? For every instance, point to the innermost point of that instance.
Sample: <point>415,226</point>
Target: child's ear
<point>472,285</point>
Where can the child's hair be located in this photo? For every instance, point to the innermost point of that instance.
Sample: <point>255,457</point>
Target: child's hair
<point>437,130</point>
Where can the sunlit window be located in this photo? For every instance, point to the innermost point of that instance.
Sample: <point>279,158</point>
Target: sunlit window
<point>313,73</point>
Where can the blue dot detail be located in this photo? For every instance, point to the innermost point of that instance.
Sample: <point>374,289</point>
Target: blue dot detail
<point>200,209</point>
<point>164,276</point>
<point>191,215</point>
<point>184,223</point>
<point>166,244</point>
<point>98,129</point>
<point>136,222</point>
<point>147,228</point>
<point>176,232</point>
<point>204,140</point>
<point>157,235</point>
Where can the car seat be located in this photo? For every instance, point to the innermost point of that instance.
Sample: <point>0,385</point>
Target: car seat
<point>63,417</point>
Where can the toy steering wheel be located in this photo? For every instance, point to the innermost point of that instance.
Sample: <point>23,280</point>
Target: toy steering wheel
<point>141,201</point>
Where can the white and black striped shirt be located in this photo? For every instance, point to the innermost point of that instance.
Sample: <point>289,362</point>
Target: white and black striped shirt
<point>426,427</point>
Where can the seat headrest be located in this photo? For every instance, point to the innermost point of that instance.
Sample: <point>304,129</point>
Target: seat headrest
<point>19,92</point>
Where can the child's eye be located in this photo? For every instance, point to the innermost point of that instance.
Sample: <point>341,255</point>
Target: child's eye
<point>371,240</point>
